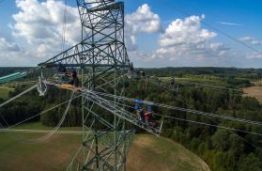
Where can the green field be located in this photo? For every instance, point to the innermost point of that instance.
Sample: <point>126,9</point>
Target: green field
<point>39,126</point>
<point>18,153</point>
<point>149,153</point>
<point>146,153</point>
<point>4,92</point>
<point>216,81</point>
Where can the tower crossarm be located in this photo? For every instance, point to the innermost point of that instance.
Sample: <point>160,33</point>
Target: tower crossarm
<point>76,56</point>
<point>67,57</point>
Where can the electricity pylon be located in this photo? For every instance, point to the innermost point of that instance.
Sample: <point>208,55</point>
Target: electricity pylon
<point>101,55</point>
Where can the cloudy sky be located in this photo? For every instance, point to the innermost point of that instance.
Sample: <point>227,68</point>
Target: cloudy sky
<point>159,33</point>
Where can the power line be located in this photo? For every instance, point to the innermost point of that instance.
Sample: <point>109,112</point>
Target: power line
<point>211,125</point>
<point>32,117</point>
<point>185,13</point>
<point>64,28</point>
<point>41,113</point>
<point>17,96</point>
<point>52,132</point>
<point>197,122</point>
<point>182,109</point>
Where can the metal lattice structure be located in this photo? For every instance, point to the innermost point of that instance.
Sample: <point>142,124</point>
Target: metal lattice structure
<point>102,37</point>
<point>102,61</point>
<point>101,55</point>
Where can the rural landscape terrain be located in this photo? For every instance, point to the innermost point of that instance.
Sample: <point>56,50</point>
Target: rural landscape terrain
<point>130,85</point>
<point>182,146</point>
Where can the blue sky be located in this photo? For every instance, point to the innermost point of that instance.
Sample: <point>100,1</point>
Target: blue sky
<point>240,19</point>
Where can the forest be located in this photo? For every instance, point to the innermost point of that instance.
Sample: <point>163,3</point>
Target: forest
<point>223,150</point>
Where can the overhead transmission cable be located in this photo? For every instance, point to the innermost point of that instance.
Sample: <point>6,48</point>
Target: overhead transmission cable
<point>52,132</point>
<point>199,123</point>
<point>14,98</point>
<point>22,83</point>
<point>186,110</point>
<point>210,125</point>
<point>216,29</point>
<point>41,113</point>
<point>179,108</point>
<point>3,118</point>
<point>117,111</point>
<point>19,95</point>
<point>64,28</point>
<point>183,109</point>
<point>9,128</point>
<point>70,165</point>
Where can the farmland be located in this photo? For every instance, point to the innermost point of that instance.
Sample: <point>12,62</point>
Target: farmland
<point>4,91</point>
<point>146,153</point>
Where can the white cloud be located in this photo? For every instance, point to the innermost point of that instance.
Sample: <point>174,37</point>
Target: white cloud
<point>37,31</point>
<point>187,31</point>
<point>186,40</point>
<point>193,51</point>
<point>251,40</point>
<point>254,55</point>
<point>143,20</point>
<point>6,46</point>
<point>11,54</point>
<point>40,26</point>
<point>42,20</point>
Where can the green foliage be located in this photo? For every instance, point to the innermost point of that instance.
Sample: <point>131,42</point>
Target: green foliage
<point>223,150</point>
<point>250,163</point>
<point>4,91</point>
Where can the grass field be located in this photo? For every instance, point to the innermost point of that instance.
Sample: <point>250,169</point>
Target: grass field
<point>149,153</point>
<point>197,80</point>
<point>39,126</point>
<point>254,91</point>
<point>146,153</point>
<point>4,92</point>
<point>16,153</point>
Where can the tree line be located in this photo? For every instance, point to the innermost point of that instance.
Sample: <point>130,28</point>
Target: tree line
<point>223,150</point>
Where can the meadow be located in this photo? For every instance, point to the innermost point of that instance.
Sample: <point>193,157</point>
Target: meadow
<point>146,152</point>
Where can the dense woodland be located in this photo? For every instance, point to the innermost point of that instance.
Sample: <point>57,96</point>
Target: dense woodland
<point>222,149</point>
<point>220,72</point>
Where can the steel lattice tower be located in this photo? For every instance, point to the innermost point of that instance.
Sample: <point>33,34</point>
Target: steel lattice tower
<point>101,55</point>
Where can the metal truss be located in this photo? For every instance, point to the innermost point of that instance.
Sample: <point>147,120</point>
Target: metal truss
<point>101,58</point>
<point>102,37</point>
<point>106,139</point>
